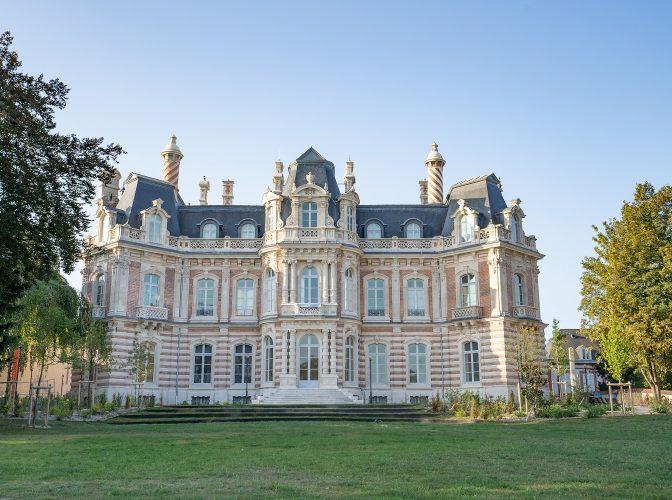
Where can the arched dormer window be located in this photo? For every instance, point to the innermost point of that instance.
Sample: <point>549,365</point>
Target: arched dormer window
<point>247,231</point>
<point>309,286</point>
<point>468,290</point>
<point>413,230</point>
<point>154,228</point>
<point>466,229</point>
<point>209,231</point>
<point>515,228</point>
<point>99,291</point>
<point>518,295</point>
<point>374,230</point>
<point>309,214</point>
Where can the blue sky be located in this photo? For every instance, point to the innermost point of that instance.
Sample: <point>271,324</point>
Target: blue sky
<point>569,103</point>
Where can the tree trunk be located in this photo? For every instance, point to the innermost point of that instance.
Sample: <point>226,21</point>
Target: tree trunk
<point>33,413</point>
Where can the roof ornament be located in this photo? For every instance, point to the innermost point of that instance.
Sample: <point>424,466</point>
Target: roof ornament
<point>309,177</point>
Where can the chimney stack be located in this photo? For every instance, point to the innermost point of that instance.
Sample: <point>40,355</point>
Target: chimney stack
<point>171,161</point>
<point>109,191</point>
<point>434,164</point>
<point>278,177</point>
<point>204,186</point>
<point>423,192</point>
<point>227,192</point>
<point>349,178</point>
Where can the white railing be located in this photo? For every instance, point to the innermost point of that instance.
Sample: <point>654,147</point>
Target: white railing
<point>215,244</point>
<point>151,312</point>
<point>468,312</point>
<point>308,309</point>
<point>98,311</point>
<point>526,312</point>
<point>308,233</point>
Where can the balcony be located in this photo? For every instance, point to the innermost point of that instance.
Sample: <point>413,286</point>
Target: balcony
<point>151,313</point>
<point>469,312</point>
<point>309,309</point>
<point>526,312</point>
<point>98,311</point>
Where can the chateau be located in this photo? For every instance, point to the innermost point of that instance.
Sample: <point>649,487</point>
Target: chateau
<point>311,295</point>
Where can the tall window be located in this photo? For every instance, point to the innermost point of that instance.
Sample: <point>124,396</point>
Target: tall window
<point>203,364</point>
<point>349,290</point>
<point>205,297</point>
<point>150,290</point>
<point>378,365</point>
<point>413,230</point>
<point>149,348</point>
<point>309,214</point>
<point>415,297</point>
<point>99,291</point>
<point>374,230</point>
<point>242,364</point>
<point>155,223</point>
<point>309,286</point>
<point>209,231</point>
<point>271,217</point>
<point>349,218</point>
<point>515,228</point>
<point>417,364</point>
<point>349,359</point>
<point>248,231</point>
<point>270,290</point>
<point>471,368</point>
<point>468,290</point>
<point>518,298</point>
<point>466,229</point>
<point>245,297</point>
<point>268,359</point>
<point>375,297</point>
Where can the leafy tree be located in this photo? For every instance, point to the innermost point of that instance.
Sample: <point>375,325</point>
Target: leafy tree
<point>627,287</point>
<point>137,361</point>
<point>528,348</point>
<point>558,350</point>
<point>45,180</point>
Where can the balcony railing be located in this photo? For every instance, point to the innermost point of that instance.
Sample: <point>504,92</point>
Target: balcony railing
<point>526,312</point>
<point>468,312</point>
<point>152,312</point>
<point>309,309</point>
<point>98,311</point>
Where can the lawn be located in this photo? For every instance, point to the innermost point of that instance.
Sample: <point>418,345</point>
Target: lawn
<point>629,456</point>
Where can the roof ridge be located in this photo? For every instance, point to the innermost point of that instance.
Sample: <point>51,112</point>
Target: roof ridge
<point>483,177</point>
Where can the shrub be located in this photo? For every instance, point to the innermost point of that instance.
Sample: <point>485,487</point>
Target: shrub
<point>86,413</point>
<point>594,411</point>
<point>435,403</point>
<point>557,410</point>
<point>97,408</point>
<point>109,406</point>
<point>659,406</point>
<point>127,403</point>
<point>460,414</point>
<point>63,408</point>
<point>473,408</point>
<point>520,414</point>
<point>511,404</point>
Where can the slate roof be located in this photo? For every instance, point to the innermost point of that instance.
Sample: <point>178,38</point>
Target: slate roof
<point>395,217</point>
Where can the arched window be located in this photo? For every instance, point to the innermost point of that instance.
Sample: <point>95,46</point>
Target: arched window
<point>471,367</point>
<point>270,290</point>
<point>154,229</point>
<point>245,297</point>
<point>468,290</point>
<point>413,230</point>
<point>349,359</point>
<point>415,297</point>
<point>309,286</point>
<point>248,231</point>
<point>203,364</point>
<point>515,228</point>
<point>268,359</point>
<point>375,297</point>
<point>349,218</point>
<point>518,296</point>
<point>466,229</point>
<point>205,297</point>
<point>209,231</point>
<point>309,214</point>
<point>349,291</point>
<point>99,291</point>
<point>242,364</point>
<point>150,290</point>
<point>378,356</point>
<point>417,364</point>
<point>374,230</point>
<point>149,352</point>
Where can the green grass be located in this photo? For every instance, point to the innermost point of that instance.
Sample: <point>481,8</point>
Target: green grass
<point>601,457</point>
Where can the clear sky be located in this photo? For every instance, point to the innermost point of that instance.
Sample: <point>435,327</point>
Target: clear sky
<point>569,103</point>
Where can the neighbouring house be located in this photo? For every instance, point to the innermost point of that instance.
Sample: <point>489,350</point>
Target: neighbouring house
<point>57,376</point>
<point>583,373</point>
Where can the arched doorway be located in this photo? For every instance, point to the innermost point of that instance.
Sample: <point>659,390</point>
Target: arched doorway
<point>309,361</point>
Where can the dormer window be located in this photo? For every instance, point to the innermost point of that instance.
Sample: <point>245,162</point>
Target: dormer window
<point>515,229</point>
<point>309,214</point>
<point>209,231</point>
<point>374,230</point>
<point>154,228</point>
<point>466,229</point>
<point>349,218</point>
<point>413,230</point>
<point>248,231</point>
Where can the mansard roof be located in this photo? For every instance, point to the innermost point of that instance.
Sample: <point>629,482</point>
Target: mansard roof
<point>228,217</point>
<point>138,193</point>
<point>394,218</point>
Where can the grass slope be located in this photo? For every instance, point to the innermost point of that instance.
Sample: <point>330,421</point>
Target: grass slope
<point>597,457</point>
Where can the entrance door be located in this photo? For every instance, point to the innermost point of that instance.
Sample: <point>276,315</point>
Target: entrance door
<point>309,361</point>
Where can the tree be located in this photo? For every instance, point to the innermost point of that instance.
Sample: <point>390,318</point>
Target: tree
<point>627,287</point>
<point>559,359</point>
<point>137,362</point>
<point>531,376</point>
<point>45,180</point>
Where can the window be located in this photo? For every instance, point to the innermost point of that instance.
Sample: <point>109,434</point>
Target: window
<point>413,230</point>
<point>415,297</point>
<point>374,230</point>
<point>378,364</point>
<point>309,214</point>
<point>205,297</point>
<point>203,364</point>
<point>466,229</point>
<point>270,290</point>
<point>150,290</point>
<point>209,231</point>
<point>375,297</point>
<point>349,218</point>
<point>518,290</point>
<point>349,291</point>
<point>309,288</point>
<point>242,364</point>
<point>149,350</point>
<point>417,364</point>
<point>468,290</point>
<point>515,228</point>
<point>248,231</point>
<point>349,359</point>
<point>268,359</point>
<point>99,291</point>
<point>271,217</point>
<point>245,297</point>
<point>155,223</point>
<point>471,369</point>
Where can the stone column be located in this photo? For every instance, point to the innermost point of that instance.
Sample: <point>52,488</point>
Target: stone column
<point>285,281</point>
<point>325,282</point>
<point>119,287</point>
<point>292,352</point>
<point>292,285</point>
<point>328,377</point>
<point>226,286</point>
<point>436,305</point>
<point>287,378</point>
<point>396,292</point>
<point>325,352</point>
<point>496,282</point>
<point>332,353</point>
<point>443,292</point>
<point>333,282</point>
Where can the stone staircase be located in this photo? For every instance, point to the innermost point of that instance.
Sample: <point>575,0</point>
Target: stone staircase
<point>294,396</point>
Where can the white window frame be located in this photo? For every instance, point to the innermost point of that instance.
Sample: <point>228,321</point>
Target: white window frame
<point>466,228</point>
<point>209,231</point>
<point>247,231</point>
<point>146,297</point>
<point>418,359</point>
<point>349,359</point>
<point>518,290</point>
<point>472,289</point>
<point>203,355</point>
<point>155,228</point>
<point>247,361</point>
<point>307,283</point>
<point>349,218</point>
<point>413,230</point>
<point>268,375</point>
<point>247,309</point>
<point>380,286</point>
<point>205,294</point>
<point>377,371</point>
<point>469,375</point>
<point>416,296</point>
<point>309,210</point>
<point>270,291</point>
<point>99,291</point>
<point>368,230</point>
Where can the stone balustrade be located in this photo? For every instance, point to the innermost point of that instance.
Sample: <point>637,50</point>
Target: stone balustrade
<point>468,312</point>
<point>527,312</point>
<point>99,311</point>
<point>152,313</point>
<point>309,309</point>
